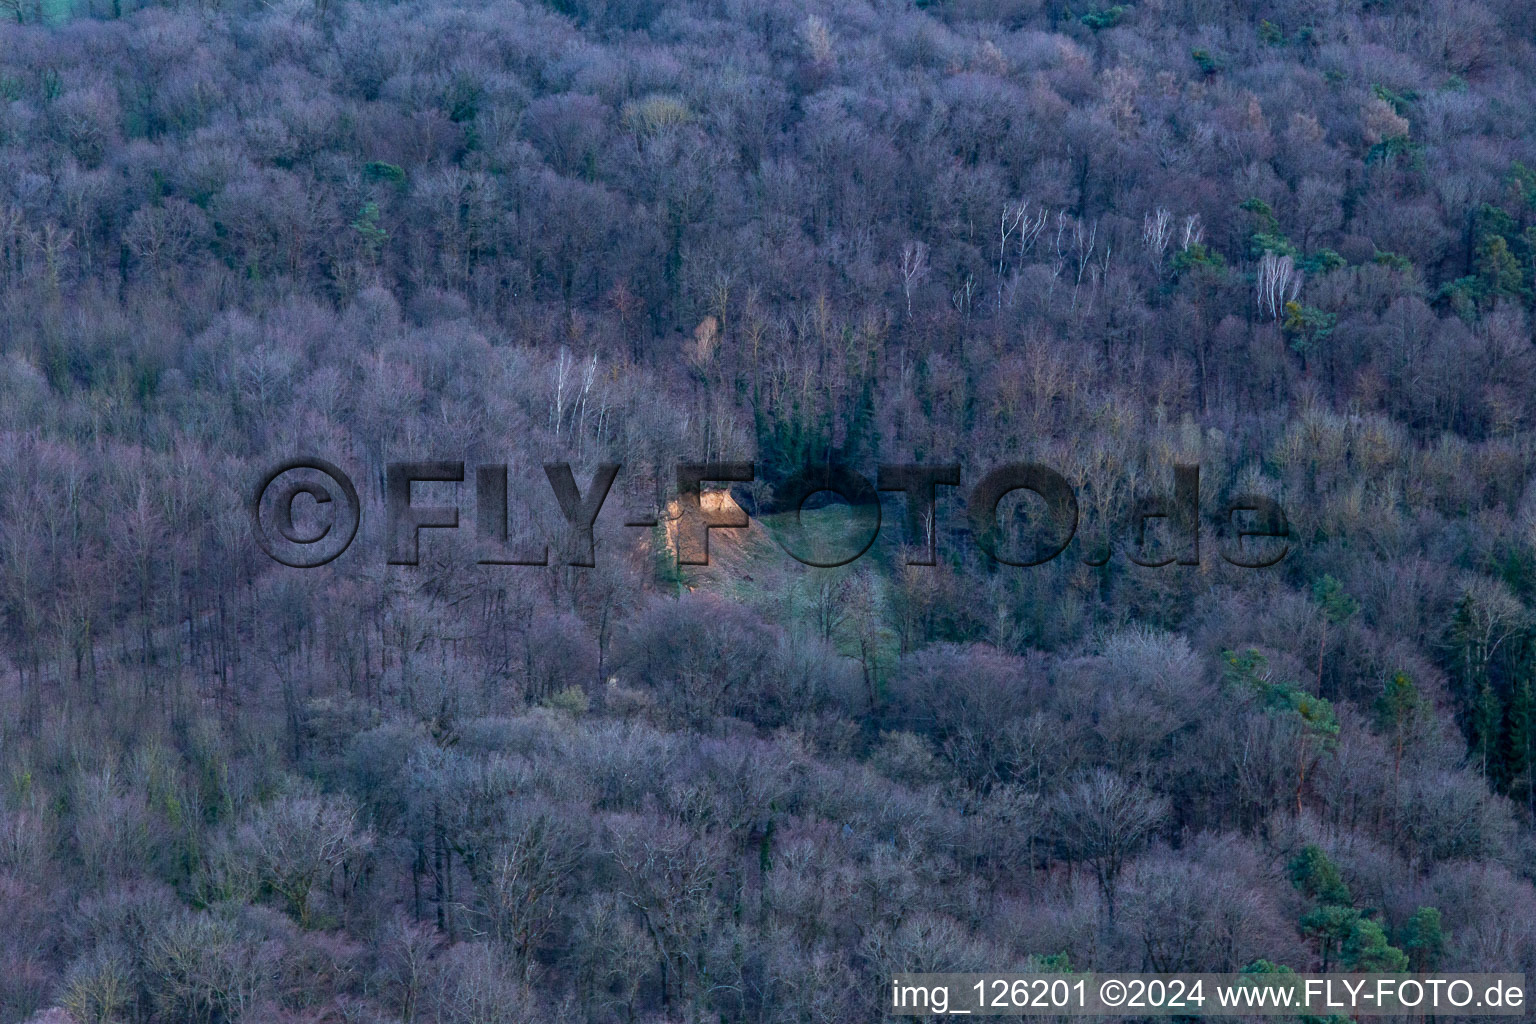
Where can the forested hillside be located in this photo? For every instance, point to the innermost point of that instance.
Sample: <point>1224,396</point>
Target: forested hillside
<point>1292,242</point>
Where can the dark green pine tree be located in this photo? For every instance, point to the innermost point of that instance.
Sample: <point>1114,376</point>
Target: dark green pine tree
<point>1519,722</point>
<point>1400,706</point>
<point>1423,939</point>
<point>1486,713</point>
<point>1367,949</point>
<point>1317,877</point>
<point>1468,651</point>
<point>861,443</point>
<point>1497,268</point>
<point>1329,927</point>
<point>1335,606</point>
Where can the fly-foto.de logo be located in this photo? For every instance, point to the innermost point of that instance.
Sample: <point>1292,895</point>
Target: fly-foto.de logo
<point>1252,529</point>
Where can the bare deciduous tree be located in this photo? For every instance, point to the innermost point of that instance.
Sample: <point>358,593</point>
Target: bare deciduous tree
<point>1278,283</point>
<point>295,845</point>
<point>1193,232</point>
<point>1103,819</point>
<point>914,268</point>
<point>1156,233</point>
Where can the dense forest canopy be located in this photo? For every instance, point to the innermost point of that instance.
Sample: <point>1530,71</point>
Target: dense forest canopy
<point>1292,242</point>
